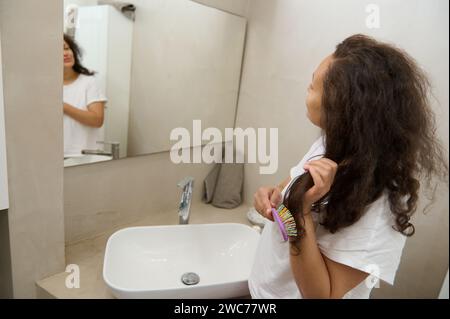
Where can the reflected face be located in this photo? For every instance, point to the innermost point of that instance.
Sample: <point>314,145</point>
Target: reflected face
<point>315,91</point>
<point>69,60</point>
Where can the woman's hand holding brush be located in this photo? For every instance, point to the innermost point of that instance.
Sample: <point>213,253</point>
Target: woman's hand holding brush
<point>267,198</point>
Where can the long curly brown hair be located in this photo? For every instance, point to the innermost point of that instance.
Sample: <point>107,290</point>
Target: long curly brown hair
<point>380,128</point>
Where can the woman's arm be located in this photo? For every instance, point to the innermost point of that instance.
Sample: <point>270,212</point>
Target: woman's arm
<point>93,117</point>
<point>316,275</point>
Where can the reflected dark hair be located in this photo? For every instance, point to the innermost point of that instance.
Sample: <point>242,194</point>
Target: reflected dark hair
<point>77,54</point>
<point>380,129</point>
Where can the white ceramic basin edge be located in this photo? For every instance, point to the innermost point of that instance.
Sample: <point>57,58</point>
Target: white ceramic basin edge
<point>148,262</point>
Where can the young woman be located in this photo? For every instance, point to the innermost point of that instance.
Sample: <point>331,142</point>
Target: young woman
<point>84,103</point>
<point>359,181</point>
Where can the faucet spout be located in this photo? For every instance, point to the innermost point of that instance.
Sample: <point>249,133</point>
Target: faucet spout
<point>184,208</point>
<point>115,150</point>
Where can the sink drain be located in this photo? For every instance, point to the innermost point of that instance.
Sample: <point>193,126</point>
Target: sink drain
<point>190,279</point>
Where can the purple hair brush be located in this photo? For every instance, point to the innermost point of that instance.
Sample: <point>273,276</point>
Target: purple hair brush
<point>286,222</point>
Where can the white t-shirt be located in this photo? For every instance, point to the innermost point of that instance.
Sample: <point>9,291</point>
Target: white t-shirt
<point>370,245</point>
<point>80,94</point>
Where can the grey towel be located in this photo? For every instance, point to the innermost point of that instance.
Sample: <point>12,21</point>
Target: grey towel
<point>224,185</point>
<point>128,9</point>
<point>209,185</point>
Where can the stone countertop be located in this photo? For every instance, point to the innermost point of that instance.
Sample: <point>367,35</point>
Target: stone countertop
<point>88,254</point>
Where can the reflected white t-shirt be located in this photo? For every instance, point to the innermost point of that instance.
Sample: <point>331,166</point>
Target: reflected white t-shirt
<point>80,94</point>
<point>370,245</point>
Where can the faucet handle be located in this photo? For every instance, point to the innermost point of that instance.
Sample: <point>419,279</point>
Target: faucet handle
<point>185,182</point>
<point>115,148</point>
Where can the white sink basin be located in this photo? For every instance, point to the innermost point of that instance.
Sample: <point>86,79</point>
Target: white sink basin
<point>149,262</point>
<point>85,159</point>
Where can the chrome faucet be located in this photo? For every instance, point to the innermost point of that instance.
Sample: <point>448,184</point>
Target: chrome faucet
<point>187,185</point>
<point>115,150</point>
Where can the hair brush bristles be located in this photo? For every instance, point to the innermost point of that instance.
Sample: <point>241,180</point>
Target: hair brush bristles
<point>288,221</point>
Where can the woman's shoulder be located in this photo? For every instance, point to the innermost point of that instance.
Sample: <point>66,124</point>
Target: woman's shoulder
<point>89,82</point>
<point>376,219</point>
<point>87,78</point>
<point>370,242</point>
<point>378,214</point>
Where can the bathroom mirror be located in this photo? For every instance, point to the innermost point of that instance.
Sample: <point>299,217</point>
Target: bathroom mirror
<point>160,65</point>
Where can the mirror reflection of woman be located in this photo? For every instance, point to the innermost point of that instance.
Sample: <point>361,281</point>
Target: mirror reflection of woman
<point>84,103</point>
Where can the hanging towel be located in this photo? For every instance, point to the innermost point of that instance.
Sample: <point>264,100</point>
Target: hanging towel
<point>128,9</point>
<point>223,186</point>
<point>209,185</point>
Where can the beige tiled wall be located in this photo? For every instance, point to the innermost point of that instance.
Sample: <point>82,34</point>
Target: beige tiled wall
<point>101,196</point>
<point>32,74</point>
<point>286,41</point>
